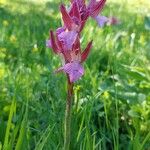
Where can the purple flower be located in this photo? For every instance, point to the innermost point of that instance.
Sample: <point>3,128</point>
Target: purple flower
<point>76,18</point>
<point>73,20</point>
<point>67,38</point>
<point>101,20</point>
<point>95,7</point>
<point>73,59</point>
<point>48,44</point>
<point>65,42</point>
<point>60,30</point>
<point>74,70</point>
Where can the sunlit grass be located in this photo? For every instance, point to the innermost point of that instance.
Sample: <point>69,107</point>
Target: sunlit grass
<point>112,101</point>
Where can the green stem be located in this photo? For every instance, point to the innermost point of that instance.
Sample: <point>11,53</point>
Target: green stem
<point>68,115</point>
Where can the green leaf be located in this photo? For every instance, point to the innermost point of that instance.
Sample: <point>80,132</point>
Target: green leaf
<point>21,145</point>
<point>133,114</point>
<point>6,140</point>
<point>42,141</point>
<point>0,145</point>
<point>134,72</point>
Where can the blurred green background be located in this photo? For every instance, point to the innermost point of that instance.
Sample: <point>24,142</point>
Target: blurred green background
<point>111,108</point>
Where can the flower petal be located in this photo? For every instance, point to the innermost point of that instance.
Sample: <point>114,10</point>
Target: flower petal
<point>59,70</point>
<point>74,12</point>
<point>53,43</point>
<point>76,51</point>
<point>66,18</point>
<point>85,53</point>
<point>78,1</point>
<point>101,20</point>
<point>49,43</point>
<point>60,30</point>
<point>74,70</point>
<point>68,39</point>
<point>95,7</point>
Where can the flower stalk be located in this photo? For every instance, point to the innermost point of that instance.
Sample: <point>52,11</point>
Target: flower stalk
<point>68,114</point>
<point>66,43</point>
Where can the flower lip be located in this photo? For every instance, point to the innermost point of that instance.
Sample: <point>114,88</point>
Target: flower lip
<point>73,69</point>
<point>101,20</point>
<point>68,39</point>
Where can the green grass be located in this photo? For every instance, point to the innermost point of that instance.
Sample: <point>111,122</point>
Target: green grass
<point>112,101</point>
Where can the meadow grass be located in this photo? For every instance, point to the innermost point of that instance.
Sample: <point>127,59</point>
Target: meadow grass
<point>111,109</point>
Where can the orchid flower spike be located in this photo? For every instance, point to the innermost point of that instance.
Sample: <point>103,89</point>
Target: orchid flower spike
<point>71,55</point>
<point>65,42</point>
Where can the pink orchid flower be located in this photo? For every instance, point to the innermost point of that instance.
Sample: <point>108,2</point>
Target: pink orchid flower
<point>72,58</point>
<point>66,41</point>
<point>95,7</point>
<point>102,20</point>
<point>63,41</point>
<point>76,17</point>
<point>74,21</point>
<point>73,69</point>
<point>113,21</point>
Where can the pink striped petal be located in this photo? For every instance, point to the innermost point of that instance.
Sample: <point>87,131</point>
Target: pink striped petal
<point>66,18</point>
<point>95,7</point>
<point>85,53</point>
<point>68,39</point>
<point>80,2</point>
<point>74,12</point>
<point>60,30</point>
<point>74,70</point>
<point>67,56</point>
<point>53,43</point>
